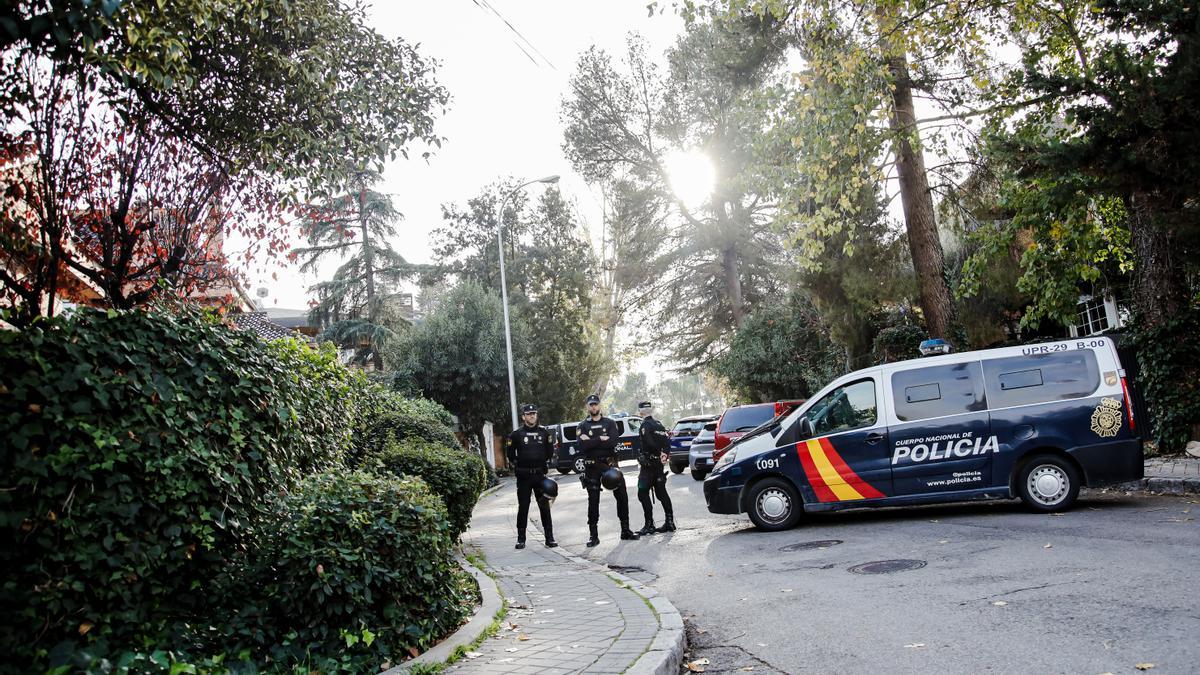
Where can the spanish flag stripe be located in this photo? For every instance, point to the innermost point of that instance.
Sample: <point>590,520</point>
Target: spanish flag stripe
<point>824,494</point>
<point>853,479</point>
<point>843,491</point>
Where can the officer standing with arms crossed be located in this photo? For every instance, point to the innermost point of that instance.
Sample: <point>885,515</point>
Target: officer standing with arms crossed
<point>651,458</point>
<point>598,439</point>
<point>530,450</point>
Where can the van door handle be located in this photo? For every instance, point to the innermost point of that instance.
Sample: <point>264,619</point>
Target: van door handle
<point>874,437</point>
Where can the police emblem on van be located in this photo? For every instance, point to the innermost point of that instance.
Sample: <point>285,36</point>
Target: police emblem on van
<point>1106,418</point>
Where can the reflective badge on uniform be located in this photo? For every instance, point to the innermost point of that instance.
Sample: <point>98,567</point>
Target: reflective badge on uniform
<point>1106,418</point>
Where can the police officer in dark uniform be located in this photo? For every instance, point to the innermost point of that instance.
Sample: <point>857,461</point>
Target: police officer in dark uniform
<point>652,475</point>
<point>598,439</point>
<point>530,450</point>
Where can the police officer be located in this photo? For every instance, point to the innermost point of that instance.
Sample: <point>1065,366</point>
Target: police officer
<point>598,439</point>
<point>656,447</point>
<point>530,450</point>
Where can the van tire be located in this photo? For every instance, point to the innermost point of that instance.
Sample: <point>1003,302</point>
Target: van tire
<point>578,465</point>
<point>1048,483</point>
<point>773,505</point>
<point>676,468</point>
<point>698,475</point>
<point>564,470</point>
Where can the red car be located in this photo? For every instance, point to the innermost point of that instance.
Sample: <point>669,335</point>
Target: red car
<point>739,419</point>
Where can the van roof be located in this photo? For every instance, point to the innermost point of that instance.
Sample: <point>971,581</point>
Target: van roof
<point>981,354</point>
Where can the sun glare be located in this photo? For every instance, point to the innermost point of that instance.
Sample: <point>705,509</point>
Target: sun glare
<point>691,175</point>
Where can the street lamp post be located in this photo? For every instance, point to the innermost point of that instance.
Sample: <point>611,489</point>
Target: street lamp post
<point>512,386</point>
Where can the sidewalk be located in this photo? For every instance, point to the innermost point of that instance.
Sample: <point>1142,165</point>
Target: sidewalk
<point>565,614</point>
<point>1174,475</point>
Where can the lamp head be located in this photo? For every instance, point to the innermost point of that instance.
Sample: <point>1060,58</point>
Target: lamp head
<point>549,179</point>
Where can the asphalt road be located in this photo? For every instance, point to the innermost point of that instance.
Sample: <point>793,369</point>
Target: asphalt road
<point>1102,588</point>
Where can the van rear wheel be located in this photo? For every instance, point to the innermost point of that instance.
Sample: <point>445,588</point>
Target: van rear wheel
<point>1048,483</point>
<point>774,505</point>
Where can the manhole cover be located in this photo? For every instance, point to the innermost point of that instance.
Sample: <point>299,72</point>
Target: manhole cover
<point>887,566</point>
<point>806,545</point>
<point>625,569</point>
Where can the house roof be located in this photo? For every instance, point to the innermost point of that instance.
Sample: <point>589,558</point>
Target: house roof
<point>264,327</point>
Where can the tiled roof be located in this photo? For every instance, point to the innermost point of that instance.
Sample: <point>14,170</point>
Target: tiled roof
<point>260,324</point>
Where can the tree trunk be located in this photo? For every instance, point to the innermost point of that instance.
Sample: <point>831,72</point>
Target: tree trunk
<point>923,241</point>
<point>376,356</point>
<point>1159,288</point>
<point>733,285</point>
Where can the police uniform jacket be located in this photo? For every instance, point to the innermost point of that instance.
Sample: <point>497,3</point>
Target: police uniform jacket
<point>592,446</point>
<point>530,448</point>
<point>655,441</point>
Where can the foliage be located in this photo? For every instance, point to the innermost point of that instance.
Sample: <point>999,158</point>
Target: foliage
<point>350,564</point>
<point>383,416</point>
<point>625,122</point>
<point>260,85</point>
<point>897,343</point>
<point>352,306</point>
<point>551,271</point>
<point>138,449</point>
<point>782,352</point>
<point>1169,377</point>
<point>457,357</point>
<point>454,474</point>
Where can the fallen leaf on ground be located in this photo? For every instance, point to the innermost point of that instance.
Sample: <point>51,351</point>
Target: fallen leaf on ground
<point>701,631</point>
<point>933,521</point>
<point>1144,666</point>
<point>522,638</point>
<point>999,603</point>
<point>785,590</point>
<point>697,666</point>
<point>761,644</point>
<point>915,645</point>
<point>1048,546</point>
<point>473,655</point>
<point>746,669</point>
<point>943,541</point>
<point>602,602</point>
<point>547,611</point>
<point>511,649</point>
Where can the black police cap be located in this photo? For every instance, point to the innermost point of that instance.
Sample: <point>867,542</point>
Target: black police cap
<point>593,399</point>
<point>645,404</point>
<point>528,408</point>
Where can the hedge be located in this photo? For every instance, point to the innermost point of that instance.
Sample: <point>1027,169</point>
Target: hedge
<point>457,475</point>
<point>384,415</point>
<point>138,450</point>
<point>355,565</point>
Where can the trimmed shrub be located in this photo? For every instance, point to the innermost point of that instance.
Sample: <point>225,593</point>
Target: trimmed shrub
<point>383,415</point>
<point>458,476</point>
<point>137,450</point>
<point>355,565</point>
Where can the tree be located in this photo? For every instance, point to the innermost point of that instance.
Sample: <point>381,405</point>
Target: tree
<point>351,306</point>
<point>109,204</point>
<point>551,271</point>
<point>782,352</point>
<point>456,356</point>
<point>257,85</point>
<point>718,258</point>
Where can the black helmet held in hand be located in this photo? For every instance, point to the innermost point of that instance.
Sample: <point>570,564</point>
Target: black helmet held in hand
<point>612,478</point>
<point>549,488</point>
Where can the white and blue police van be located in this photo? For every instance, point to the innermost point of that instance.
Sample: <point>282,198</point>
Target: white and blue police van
<point>1033,421</point>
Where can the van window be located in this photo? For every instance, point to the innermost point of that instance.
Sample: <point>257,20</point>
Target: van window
<point>634,423</point>
<point>850,406</point>
<point>746,417</point>
<point>938,391</point>
<point>570,432</point>
<point>620,427</point>
<point>1037,378</point>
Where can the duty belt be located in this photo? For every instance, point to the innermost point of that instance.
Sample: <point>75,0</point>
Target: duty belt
<point>528,470</point>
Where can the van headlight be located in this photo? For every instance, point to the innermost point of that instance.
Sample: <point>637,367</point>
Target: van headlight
<point>726,459</point>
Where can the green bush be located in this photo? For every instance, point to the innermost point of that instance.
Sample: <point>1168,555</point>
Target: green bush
<point>1168,357</point>
<point>897,343</point>
<point>355,565</point>
<point>458,476</point>
<point>383,415</point>
<point>138,449</point>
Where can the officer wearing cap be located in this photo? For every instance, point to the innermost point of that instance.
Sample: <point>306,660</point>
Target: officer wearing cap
<point>598,439</point>
<point>656,446</point>
<point>530,450</point>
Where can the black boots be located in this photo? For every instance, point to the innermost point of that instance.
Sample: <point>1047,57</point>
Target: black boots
<point>550,543</point>
<point>627,533</point>
<point>595,540</point>
<point>520,544</point>
<point>669,525</point>
<point>648,528</point>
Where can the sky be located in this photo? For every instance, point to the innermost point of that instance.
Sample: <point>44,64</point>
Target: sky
<point>503,117</point>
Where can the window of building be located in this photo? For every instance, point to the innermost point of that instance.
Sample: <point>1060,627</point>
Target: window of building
<point>1092,317</point>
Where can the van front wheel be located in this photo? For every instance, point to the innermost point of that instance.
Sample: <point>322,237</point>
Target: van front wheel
<point>774,505</point>
<point>1048,483</point>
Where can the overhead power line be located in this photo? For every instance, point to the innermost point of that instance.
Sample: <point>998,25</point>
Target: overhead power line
<point>519,37</point>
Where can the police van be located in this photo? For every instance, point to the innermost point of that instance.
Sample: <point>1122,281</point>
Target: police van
<point>568,455</point>
<point>1034,421</point>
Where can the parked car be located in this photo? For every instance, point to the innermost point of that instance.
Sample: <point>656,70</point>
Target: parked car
<point>682,435</point>
<point>700,454</point>
<point>569,456</point>
<point>739,419</point>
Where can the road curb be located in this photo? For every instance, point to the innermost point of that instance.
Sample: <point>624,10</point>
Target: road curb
<point>665,654</point>
<point>1162,485</point>
<point>490,604</point>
